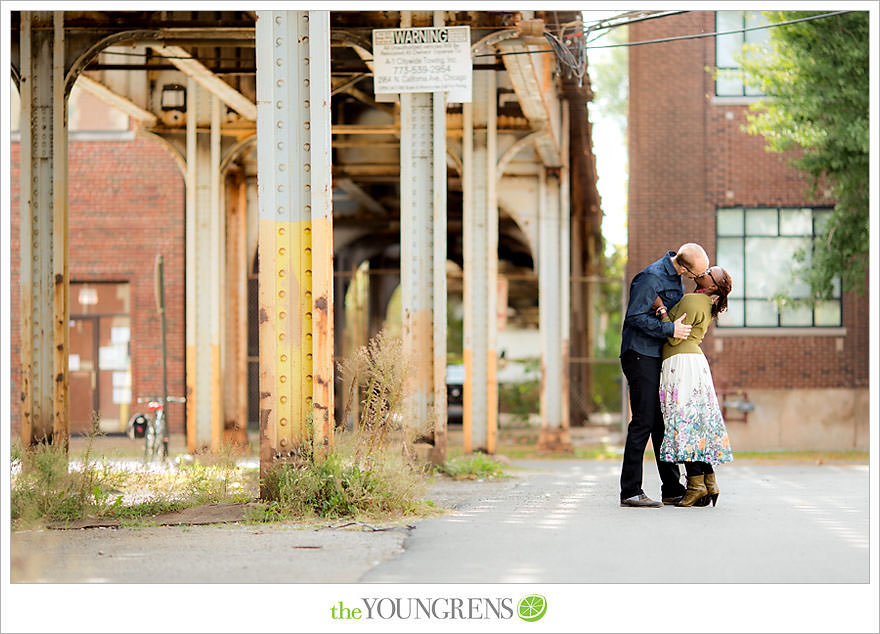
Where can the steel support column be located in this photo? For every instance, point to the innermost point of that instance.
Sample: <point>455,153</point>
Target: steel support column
<point>551,277</point>
<point>296,234</point>
<point>204,276</point>
<point>480,236</point>
<point>44,274</point>
<point>235,326</point>
<point>423,255</point>
<point>565,265</point>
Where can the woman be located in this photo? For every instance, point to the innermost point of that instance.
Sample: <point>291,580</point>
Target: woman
<point>695,432</point>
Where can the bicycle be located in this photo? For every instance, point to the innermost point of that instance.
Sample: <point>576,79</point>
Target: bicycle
<point>152,426</point>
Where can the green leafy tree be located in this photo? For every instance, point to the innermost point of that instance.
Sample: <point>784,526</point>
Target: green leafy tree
<point>609,77</point>
<point>816,75</point>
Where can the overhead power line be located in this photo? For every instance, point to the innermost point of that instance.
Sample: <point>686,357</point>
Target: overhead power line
<point>715,33</point>
<point>553,50</point>
<point>640,16</point>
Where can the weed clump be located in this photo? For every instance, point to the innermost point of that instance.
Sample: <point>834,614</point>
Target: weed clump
<point>337,486</point>
<point>46,486</point>
<point>472,467</point>
<point>371,471</point>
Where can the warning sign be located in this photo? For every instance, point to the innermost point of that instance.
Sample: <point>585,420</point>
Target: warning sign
<point>426,59</point>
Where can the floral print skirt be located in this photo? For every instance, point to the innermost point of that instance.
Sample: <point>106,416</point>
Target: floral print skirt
<point>695,430</point>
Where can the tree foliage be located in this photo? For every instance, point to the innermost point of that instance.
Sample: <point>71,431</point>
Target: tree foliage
<point>816,75</point>
<point>609,77</point>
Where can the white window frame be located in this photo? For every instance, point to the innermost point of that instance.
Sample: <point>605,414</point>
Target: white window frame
<point>740,285</point>
<point>744,92</point>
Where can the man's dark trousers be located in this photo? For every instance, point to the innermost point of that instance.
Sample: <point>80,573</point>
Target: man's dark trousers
<point>643,375</point>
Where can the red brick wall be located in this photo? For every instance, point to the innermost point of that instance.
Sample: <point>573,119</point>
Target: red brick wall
<point>126,206</point>
<point>667,142</point>
<point>689,156</point>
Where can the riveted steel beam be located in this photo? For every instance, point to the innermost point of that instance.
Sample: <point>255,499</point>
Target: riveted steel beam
<point>296,234</point>
<point>108,96</point>
<point>208,80</point>
<point>480,236</point>
<point>423,255</point>
<point>532,77</point>
<point>44,272</point>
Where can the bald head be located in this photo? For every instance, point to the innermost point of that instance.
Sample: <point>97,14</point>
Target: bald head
<point>691,260</point>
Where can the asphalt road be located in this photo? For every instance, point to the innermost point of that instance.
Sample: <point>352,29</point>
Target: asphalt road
<point>561,523</point>
<point>555,521</point>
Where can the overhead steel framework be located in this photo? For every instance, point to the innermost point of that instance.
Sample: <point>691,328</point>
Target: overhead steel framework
<point>345,176</point>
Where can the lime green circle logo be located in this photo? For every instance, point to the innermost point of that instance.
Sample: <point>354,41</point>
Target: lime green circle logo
<point>532,608</point>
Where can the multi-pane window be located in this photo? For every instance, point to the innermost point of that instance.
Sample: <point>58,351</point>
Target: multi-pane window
<point>757,247</point>
<point>727,47</point>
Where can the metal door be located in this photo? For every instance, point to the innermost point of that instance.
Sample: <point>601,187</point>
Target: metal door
<point>83,365</point>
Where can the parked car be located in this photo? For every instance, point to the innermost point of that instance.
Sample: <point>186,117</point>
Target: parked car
<point>454,393</point>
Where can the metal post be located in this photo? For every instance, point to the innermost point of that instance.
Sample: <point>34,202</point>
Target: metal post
<point>214,274</point>
<point>160,306</point>
<point>480,236</point>
<point>235,313</point>
<point>44,272</point>
<point>296,248</point>
<point>565,267</point>
<point>423,255</point>
<point>192,95</point>
<point>322,229</point>
<point>205,252</point>
<point>554,433</point>
<point>438,453</point>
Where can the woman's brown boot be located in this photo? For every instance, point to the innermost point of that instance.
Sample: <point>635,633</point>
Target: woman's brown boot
<point>711,488</point>
<point>696,491</point>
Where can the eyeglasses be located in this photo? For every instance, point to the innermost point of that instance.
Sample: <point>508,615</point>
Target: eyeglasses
<point>703,274</point>
<point>712,277</point>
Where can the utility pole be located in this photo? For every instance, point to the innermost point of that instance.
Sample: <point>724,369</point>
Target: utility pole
<point>160,305</point>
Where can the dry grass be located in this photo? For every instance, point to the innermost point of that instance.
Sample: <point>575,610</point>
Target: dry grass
<point>49,485</point>
<point>371,471</point>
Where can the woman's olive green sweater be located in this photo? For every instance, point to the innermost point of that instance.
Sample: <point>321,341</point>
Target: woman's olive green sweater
<point>698,307</point>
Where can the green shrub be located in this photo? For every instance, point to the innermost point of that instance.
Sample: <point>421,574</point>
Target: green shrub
<point>520,399</point>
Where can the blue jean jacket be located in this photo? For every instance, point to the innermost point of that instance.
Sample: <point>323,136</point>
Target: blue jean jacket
<point>643,332</point>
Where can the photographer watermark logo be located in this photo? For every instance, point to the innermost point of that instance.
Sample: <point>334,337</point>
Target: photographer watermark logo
<point>532,608</point>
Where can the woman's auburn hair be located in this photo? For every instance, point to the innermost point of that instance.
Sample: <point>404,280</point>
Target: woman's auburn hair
<point>724,287</point>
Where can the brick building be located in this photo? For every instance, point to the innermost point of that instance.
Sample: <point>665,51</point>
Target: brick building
<point>695,175</point>
<point>126,206</point>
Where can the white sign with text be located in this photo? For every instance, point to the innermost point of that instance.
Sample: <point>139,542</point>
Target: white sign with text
<point>425,59</point>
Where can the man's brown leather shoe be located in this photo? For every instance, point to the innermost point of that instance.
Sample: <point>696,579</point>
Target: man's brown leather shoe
<point>672,501</point>
<point>641,501</point>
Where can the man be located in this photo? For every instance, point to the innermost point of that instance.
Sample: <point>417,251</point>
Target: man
<point>640,357</point>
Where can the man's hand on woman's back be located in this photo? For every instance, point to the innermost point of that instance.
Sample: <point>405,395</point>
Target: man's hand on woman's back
<point>681,330</point>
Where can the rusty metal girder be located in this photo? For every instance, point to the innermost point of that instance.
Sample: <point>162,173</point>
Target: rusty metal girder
<point>480,235</point>
<point>296,239</point>
<point>423,255</point>
<point>44,273</point>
